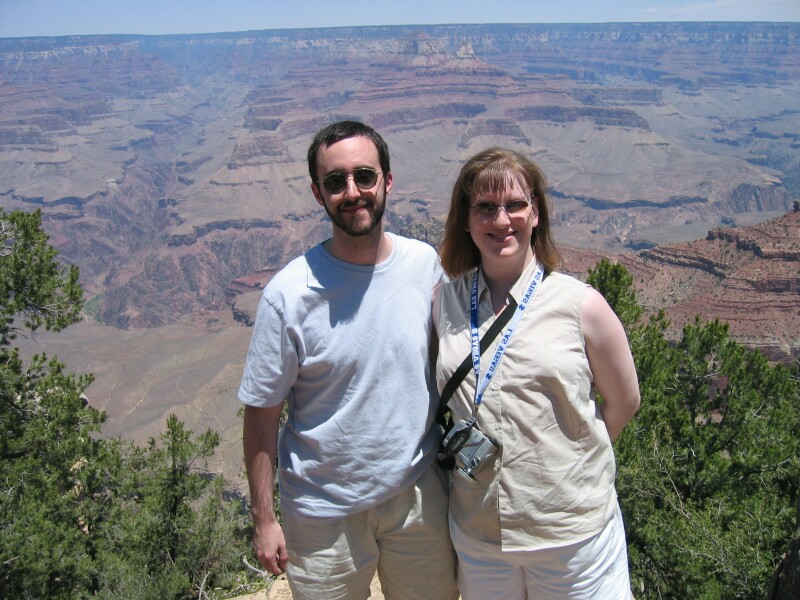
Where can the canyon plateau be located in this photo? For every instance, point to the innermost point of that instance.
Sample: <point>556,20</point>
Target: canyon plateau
<point>171,170</point>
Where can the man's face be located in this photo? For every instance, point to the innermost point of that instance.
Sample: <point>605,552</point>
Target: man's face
<point>355,211</point>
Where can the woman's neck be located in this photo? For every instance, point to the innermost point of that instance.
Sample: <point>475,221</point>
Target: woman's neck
<point>501,276</point>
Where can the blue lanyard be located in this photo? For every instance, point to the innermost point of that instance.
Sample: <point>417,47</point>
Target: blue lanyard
<point>480,388</point>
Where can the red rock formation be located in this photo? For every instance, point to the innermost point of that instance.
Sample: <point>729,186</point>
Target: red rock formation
<point>168,166</point>
<point>748,277</point>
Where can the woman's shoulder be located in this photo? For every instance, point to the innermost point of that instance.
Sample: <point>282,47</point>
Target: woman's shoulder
<point>566,281</point>
<point>457,284</point>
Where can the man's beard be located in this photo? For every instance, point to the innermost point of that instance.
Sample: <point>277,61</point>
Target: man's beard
<point>357,228</point>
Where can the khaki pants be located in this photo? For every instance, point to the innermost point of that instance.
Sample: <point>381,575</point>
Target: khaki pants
<point>405,538</point>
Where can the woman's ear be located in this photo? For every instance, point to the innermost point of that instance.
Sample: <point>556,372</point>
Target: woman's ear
<point>534,216</point>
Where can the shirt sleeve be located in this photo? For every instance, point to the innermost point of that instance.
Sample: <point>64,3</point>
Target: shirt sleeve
<point>272,360</point>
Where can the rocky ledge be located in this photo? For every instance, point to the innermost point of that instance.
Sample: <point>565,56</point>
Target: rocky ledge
<point>748,277</point>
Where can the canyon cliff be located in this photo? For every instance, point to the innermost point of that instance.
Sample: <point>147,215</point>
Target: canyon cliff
<point>171,170</point>
<point>167,167</point>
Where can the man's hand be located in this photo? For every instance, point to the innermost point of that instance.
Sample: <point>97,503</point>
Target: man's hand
<point>270,547</point>
<point>260,438</point>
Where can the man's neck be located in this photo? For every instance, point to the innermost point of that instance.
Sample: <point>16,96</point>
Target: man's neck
<point>366,250</point>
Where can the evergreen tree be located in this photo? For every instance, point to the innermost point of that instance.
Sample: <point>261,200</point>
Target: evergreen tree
<point>47,425</point>
<point>171,529</point>
<point>81,516</point>
<point>708,471</point>
<point>615,283</point>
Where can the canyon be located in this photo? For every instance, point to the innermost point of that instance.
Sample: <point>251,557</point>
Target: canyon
<point>171,170</point>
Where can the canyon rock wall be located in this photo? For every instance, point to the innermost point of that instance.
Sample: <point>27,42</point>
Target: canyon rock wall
<point>168,167</point>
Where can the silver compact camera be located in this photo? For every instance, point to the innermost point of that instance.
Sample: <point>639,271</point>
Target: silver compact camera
<point>469,446</point>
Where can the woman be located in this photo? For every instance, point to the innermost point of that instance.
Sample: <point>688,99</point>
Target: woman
<point>539,518</point>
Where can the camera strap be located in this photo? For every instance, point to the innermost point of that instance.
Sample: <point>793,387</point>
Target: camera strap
<point>482,383</point>
<point>458,376</point>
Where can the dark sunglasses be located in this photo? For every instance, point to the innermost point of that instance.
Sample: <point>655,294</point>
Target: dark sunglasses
<point>364,178</point>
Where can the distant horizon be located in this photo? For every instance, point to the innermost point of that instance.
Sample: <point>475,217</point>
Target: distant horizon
<point>322,27</point>
<point>61,18</point>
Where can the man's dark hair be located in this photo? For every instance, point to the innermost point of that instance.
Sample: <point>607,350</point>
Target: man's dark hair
<point>342,130</point>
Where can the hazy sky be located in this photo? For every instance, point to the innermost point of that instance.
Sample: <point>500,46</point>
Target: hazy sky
<point>19,18</point>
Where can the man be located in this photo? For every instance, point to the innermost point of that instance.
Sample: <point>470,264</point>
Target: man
<point>342,334</point>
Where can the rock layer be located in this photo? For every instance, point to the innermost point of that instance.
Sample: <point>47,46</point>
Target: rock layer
<point>170,167</point>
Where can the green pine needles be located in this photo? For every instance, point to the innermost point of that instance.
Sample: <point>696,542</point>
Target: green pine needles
<point>709,469</point>
<point>87,517</point>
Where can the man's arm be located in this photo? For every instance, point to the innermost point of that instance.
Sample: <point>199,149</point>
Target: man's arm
<point>260,439</point>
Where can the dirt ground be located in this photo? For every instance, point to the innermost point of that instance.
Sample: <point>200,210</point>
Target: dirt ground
<point>280,591</point>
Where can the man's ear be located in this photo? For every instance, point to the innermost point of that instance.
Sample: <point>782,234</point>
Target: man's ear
<point>389,180</point>
<point>317,194</point>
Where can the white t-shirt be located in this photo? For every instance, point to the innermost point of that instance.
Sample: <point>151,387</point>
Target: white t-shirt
<point>347,347</point>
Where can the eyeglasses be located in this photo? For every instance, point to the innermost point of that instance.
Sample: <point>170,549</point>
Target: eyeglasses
<point>488,210</point>
<point>364,178</point>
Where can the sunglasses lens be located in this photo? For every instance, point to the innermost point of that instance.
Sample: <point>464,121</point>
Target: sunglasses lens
<point>336,182</point>
<point>365,178</point>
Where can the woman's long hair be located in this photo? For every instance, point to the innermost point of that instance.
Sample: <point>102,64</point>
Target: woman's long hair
<point>494,171</point>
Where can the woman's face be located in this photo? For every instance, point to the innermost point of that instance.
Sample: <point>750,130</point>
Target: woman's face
<point>500,226</point>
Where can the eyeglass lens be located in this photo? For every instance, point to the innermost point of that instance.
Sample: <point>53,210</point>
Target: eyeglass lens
<point>489,209</point>
<point>363,177</point>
